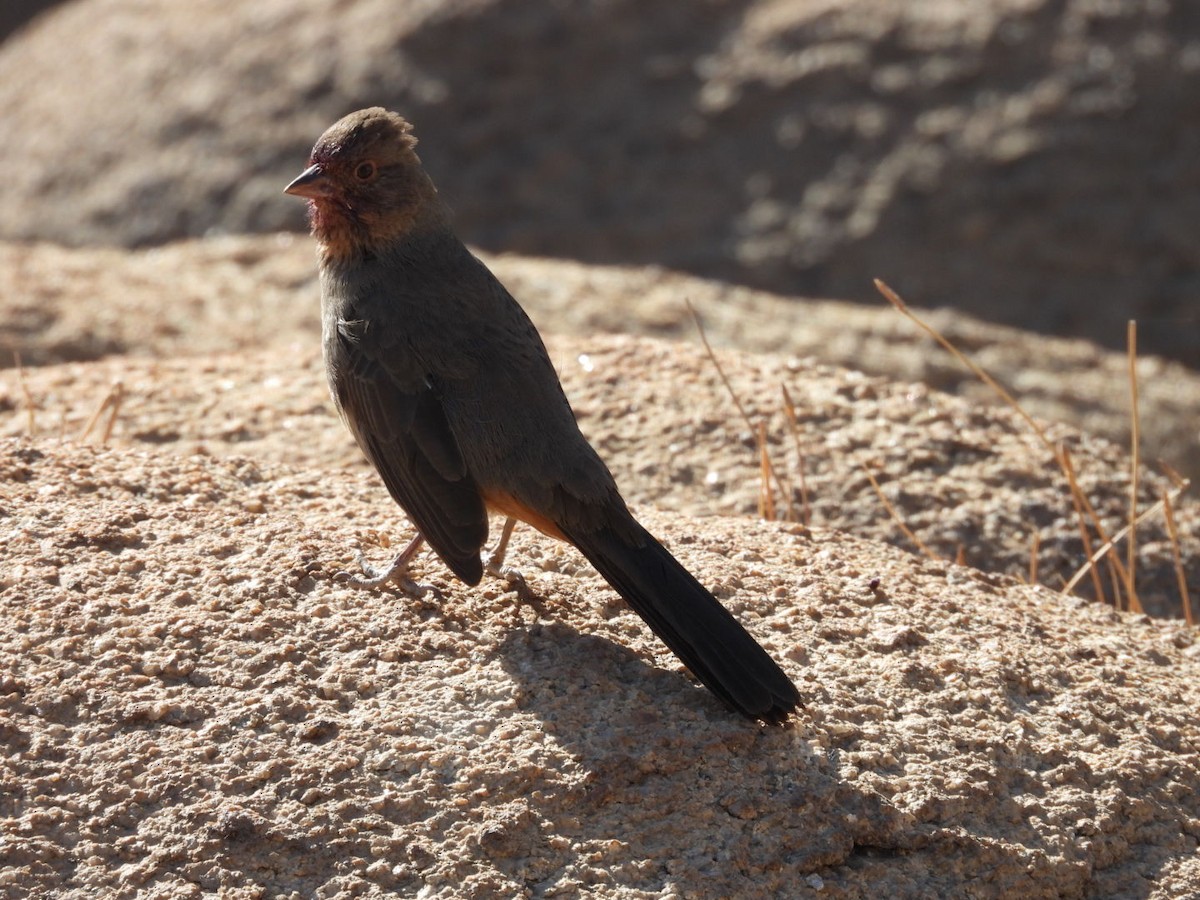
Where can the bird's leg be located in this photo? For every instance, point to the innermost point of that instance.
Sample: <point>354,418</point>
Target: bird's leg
<point>396,570</point>
<point>493,560</point>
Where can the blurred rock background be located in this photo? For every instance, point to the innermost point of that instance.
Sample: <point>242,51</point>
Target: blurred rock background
<point>1032,162</point>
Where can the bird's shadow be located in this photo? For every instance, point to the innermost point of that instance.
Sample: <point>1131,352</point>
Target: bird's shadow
<point>646,734</point>
<point>555,666</point>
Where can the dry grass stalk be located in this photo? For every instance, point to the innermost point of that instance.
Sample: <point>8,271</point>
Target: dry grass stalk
<point>1035,544</point>
<point>908,532</point>
<point>1119,574</point>
<point>111,402</point>
<point>766,496</point>
<point>785,483</point>
<point>760,433</point>
<point>30,414</point>
<point>1134,465</point>
<point>118,396</point>
<point>1113,577</point>
<point>789,409</point>
<point>893,298</point>
<point>1107,546</point>
<point>1169,515</point>
<point>1176,479</point>
<point>1078,500</point>
<point>1122,574</point>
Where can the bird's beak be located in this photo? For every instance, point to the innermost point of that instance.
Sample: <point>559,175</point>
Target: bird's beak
<point>312,183</point>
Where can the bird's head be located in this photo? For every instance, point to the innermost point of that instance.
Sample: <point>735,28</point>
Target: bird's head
<point>365,184</point>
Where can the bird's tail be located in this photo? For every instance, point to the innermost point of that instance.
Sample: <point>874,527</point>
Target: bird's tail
<point>689,620</point>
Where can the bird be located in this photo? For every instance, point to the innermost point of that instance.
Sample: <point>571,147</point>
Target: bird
<point>447,387</point>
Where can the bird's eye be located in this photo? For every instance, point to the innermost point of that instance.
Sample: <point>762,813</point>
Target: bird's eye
<point>364,171</point>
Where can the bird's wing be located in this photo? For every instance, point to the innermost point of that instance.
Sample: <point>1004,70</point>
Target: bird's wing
<point>397,417</point>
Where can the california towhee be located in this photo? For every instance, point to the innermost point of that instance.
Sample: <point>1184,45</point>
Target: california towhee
<point>450,393</point>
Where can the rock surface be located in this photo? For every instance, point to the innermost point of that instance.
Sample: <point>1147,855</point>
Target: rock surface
<point>1029,161</point>
<point>194,707</point>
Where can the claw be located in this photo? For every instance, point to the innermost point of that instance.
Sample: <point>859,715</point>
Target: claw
<point>396,571</point>
<point>493,564</point>
<point>493,560</point>
<point>499,570</point>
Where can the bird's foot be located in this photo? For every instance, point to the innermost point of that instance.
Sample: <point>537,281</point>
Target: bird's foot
<point>375,576</point>
<point>493,560</point>
<point>497,569</point>
<point>396,572</point>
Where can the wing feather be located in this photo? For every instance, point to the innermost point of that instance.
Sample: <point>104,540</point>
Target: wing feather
<point>399,422</point>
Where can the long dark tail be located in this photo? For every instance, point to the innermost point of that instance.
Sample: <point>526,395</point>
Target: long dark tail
<point>697,628</point>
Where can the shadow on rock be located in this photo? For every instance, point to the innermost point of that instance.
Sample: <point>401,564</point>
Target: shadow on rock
<point>654,744</point>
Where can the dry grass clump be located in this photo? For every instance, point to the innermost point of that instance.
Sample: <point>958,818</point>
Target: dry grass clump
<point>1100,548</point>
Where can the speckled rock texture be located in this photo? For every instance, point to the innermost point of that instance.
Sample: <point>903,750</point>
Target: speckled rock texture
<point>192,707</point>
<point>1032,162</point>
